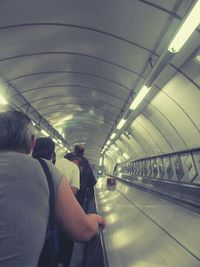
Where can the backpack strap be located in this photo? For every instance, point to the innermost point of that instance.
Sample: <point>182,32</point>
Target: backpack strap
<point>51,194</point>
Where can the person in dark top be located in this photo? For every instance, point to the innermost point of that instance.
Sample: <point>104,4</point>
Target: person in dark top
<point>87,179</point>
<point>44,148</point>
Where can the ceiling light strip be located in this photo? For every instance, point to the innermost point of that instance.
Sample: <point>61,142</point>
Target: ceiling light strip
<point>189,25</point>
<point>140,96</point>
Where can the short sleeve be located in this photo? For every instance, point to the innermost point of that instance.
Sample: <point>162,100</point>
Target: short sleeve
<point>75,179</point>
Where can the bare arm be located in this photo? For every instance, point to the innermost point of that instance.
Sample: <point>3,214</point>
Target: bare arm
<point>71,216</point>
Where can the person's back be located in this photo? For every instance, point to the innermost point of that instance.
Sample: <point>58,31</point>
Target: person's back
<point>24,210</point>
<point>71,171</point>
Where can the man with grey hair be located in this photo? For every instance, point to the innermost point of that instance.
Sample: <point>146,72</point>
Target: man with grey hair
<point>24,194</point>
<point>17,132</point>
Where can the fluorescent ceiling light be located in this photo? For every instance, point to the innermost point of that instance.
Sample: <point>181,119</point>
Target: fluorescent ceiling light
<point>60,130</point>
<point>113,135</point>
<point>44,133</point>
<point>3,101</point>
<point>100,161</point>
<point>126,156</point>
<point>108,142</point>
<point>55,140</point>
<point>121,124</point>
<point>67,118</point>
<point>60,141</point>
<point>189,25</point>
<point>105,147</point>
<point>33,123</point>
<point>115,148</point>
<point>142,93</point>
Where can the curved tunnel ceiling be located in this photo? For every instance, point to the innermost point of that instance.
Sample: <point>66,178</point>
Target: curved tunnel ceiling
<point>80,64</point>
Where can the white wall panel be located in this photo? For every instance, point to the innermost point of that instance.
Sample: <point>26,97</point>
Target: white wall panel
<point>163,145</point>
<point>165,126</point>
<point>147,149</point>
<point>175,110</point>
<point>187,95</point>
<point>134,149</point>
<point>152,143</point>
<point>123,145</point>
<point>144,148</point>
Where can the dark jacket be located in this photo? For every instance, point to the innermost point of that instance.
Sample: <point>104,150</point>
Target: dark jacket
<point>87,183</point>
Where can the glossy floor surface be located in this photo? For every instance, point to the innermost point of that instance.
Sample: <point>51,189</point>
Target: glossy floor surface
<point>144,230</point>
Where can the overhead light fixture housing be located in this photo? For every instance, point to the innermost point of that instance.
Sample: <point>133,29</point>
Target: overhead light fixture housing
<point>189,25</point>
<point>121,124</point>
<point>100,161</point>
<point>55,141</point>
<point>44,133</point>
<point>115,147</point>
<point>113,135</point>
<point>140,96</point>
<point>126,156</point>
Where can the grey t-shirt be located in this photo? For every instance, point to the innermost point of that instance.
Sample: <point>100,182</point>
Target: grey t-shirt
<point>24,208</point>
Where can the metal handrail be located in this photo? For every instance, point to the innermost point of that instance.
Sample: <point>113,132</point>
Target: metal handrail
<point>95,250</point>
<point>105,258</point>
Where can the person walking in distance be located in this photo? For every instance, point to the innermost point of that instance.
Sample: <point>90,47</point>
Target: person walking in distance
<point>87,179</point>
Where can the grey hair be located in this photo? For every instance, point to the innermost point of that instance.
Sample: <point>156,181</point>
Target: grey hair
<point>16,131</point>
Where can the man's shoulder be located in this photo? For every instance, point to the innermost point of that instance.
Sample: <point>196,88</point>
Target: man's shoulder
<point>85,161</point>
<point>65,162</point>
<point>72,164</point>
<point>60,160</point>
<point>25,160</point>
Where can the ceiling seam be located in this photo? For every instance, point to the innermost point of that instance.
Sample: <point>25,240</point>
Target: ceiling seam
<point>77,27</point>
<point>69,85</point>
<point>65,96</point>
<point>68,53</point>
<point>68,72</point>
